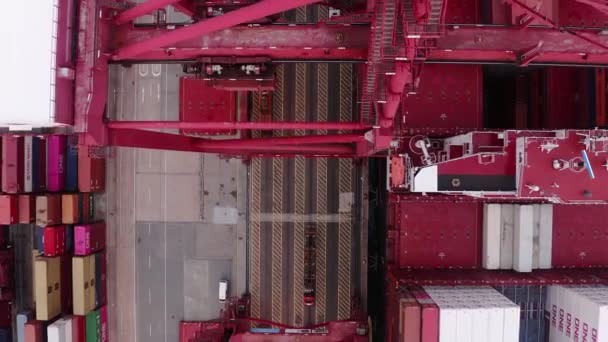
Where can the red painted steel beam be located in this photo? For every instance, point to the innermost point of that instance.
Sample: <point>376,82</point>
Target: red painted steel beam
<point>263,126</point>
<point>321,41</point>
<point>249,13</point>
<point>508,44</point>
<point>174,142</point>
<point>141,9</point>
<point>279,141</point>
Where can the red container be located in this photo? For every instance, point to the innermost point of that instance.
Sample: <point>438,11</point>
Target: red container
<point>12,164</point>
<point>6,314</point>
<point>89,238</point>
<point>34,331</point>
<point>54,241</point>
<point>7,271</point>
<point>78,333</point>
<point>9,211</point>
<point>66,283</point>
<point>56,162</point>
<point>48,210</point>
<point>27,209</point>
<point>100,278</point>
<point>91,171</point>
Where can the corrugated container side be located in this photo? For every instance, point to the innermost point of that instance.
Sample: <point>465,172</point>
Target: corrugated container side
<point>47,287</point>
<point>430,315</point>
<point>409,318</point>
<point>546,236</point>
<point>12,164</point>
<point>27,164</point>
<point>71,169</point>
<point>91,172</point>
<point>83,284</point>
<point>54,240</point>
<point>78,328</point>
<point>103,314</point>
<point>522,238</point>
<point>22,318</point>
<point>507,213</point>
<point>27,209</point>
<point>89,238</point>
<point>100,278</point>
<point>56,162</point>
<point>491,236</point>
<point>48,210</point>
<point>9,209</point>
<point>69,209</point>
<point>35,331</point>
<point>92,330</point>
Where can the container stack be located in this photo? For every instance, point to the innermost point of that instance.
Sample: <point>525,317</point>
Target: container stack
<point>474,313</point>
<point>578,313</point>
<point>48,186</point>
<point>517,237</point>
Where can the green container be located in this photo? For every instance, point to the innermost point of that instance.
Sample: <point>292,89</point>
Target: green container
<point>93,326</point>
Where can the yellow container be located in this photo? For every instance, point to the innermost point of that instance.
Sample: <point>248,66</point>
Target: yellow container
<point>47,287</point>
<point>83,284</point>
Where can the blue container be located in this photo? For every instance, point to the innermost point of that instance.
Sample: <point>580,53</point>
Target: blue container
<point>5,335</point>
<point>69,239</point>
<point>71,172</point>
<point>39,239</point>
<point>22,318</point>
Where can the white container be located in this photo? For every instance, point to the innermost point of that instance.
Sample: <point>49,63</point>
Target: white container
<point>491,236</point>
<point>522,238</point>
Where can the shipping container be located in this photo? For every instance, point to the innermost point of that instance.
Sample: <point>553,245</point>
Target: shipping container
<point>54,240</point>
<point>71,169</point>
<point>35,331</point>
<point>12,164</point>
<point>83,284</point>
<point>60,330</point>
<point>39,164</point>
<point>48,210</point>
<point>39,239</point>
<point>93,326</point>
<point>22,318</point>
<point>56,148</point>
<point>27,209</point>
<point>91,171</point>
<point>9,209</point>
<point>430,315</point>
<point>103,315</point>
<point>100,276</point>
<point>78,328</point>
<point>27,164</point>
<point>89,238</point>
<point>47,287</point>
<point>69,208</point>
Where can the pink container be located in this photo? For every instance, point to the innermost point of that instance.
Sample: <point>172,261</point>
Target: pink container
<point>56,162</point>
<point>89,238</point>
<point>12,164</point>
<point>103,313</point>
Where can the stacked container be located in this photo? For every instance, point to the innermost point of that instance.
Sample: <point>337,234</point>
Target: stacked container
<point>578,313</point>
<point>48,185</point>
<point>474,313</point>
